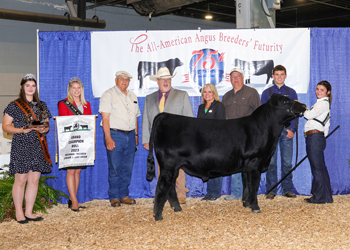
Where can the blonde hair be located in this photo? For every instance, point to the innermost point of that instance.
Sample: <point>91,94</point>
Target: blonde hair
<point>213,90</point>
<point>70,85</point>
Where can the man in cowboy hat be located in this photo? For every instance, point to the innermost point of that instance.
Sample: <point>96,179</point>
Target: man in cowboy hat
<point>119,109</point>
<point>170,100</point>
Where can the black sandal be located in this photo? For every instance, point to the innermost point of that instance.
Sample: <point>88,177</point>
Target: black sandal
<point>70,203</point>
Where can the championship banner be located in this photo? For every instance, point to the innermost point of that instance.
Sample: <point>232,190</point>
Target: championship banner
<point>199,56</point>
<point>76,140</point>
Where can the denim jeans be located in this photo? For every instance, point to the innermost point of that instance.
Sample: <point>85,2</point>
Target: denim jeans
<point>120,164</point>
<point>286,149</point>
<point>237,185</point>
<point>214,186</point>
<point>321,186</point>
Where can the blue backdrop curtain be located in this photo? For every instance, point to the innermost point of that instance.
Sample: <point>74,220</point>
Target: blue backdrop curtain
<point>330,60</point>
<point>64,54</point>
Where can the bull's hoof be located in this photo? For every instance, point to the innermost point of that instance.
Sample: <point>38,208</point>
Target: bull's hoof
<point>177,209</point>
<point>256,211</point>
<point>158,218</point>
<point>246,204</point>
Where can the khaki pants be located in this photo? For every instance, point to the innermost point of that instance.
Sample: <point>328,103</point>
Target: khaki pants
<point>180,183</point>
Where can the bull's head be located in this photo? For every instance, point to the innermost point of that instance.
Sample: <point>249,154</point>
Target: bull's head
<point>292,107</point>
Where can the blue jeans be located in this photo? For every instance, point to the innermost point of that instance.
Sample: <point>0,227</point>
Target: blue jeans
<point>214,186</point>
<point>286,149</point>
<point>120,164</point>
<point>321,186</point>
<point>237,185</point>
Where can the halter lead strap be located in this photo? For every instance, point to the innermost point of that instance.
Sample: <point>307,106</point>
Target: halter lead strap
<point>327,117</point>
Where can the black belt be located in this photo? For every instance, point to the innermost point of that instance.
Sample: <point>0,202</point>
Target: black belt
<point>123,131</point>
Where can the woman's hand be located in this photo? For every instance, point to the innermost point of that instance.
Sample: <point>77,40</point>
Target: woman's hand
<point>40,129</point>
<point>26,130</point>
<point>7,126</point>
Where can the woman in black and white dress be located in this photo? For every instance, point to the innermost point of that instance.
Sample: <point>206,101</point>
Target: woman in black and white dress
<point>29,154</point>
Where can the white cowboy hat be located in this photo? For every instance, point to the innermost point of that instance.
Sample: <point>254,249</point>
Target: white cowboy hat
<point>162,73</point>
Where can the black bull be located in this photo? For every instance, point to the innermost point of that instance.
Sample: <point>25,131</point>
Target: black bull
<point>212,148</point>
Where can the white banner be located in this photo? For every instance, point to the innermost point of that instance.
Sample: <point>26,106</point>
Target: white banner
<point>76,140</point>
<point>199,57</point>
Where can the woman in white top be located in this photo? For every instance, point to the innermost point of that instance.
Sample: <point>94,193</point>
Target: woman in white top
<point>316,128</point>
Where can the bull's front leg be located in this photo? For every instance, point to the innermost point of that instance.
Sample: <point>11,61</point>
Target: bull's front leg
<point>253,179</point>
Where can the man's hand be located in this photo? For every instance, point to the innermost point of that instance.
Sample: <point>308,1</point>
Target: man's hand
<point>110,144</point>
<point>290,134</point>
<point>146,146</point>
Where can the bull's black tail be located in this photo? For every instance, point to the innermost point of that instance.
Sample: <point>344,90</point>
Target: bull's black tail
<point>151,170</point>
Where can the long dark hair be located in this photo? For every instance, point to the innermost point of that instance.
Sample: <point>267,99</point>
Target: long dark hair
<point>22,94</point>
<point>328,86</point>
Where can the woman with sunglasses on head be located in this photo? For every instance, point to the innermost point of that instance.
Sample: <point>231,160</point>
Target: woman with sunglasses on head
<point>29,154</point>
<point>316,128</point>
<point>211,108</point>
<point>74,104</point>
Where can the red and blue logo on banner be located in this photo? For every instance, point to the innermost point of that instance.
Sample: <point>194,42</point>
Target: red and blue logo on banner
<point>207,66</point>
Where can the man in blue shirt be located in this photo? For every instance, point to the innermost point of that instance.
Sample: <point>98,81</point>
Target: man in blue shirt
<point>285,140</point>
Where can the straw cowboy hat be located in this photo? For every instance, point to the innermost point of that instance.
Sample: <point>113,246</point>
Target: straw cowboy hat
<point>162,73</point>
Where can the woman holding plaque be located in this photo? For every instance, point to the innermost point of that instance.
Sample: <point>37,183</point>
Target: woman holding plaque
<point>29,154</point>
<point>74,104</point>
